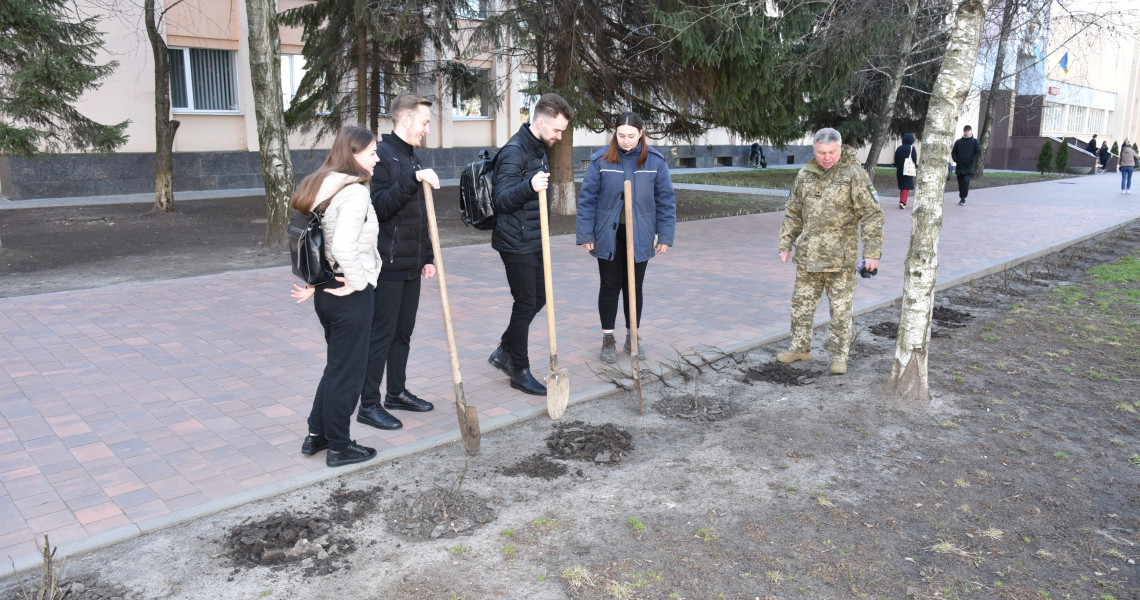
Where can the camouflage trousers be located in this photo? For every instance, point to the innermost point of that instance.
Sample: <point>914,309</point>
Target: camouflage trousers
<point>840,288</point>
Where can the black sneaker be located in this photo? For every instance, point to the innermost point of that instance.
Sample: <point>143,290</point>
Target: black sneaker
<point>350,454</point>
<point>313,444</point>
<point>962,202</point>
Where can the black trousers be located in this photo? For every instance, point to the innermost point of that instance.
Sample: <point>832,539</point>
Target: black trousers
<point>346,321</point>
<point>528,288</point>
<point>615,279</point>
<point>964,184</point>
<point>393,319</point>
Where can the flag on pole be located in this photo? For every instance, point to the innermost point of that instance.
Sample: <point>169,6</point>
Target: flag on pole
<point>1065,62</point>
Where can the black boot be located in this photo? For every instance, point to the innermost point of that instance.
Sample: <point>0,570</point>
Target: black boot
<point>521,379</point>
<point>376,416</point>
<point>313,444</point>
<point>406,400</point>
<point>501,360</point>
<point>351,454</point>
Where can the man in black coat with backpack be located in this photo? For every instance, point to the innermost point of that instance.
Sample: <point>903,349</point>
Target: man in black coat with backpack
<point>405,248</point>
<point>521,172</point>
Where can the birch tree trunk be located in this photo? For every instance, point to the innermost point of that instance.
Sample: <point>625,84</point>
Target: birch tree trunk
<point>888,112</point>
<point>164,127</point>
<point>1010,11</point>
<point>265,71</point>
<point>909,375</point>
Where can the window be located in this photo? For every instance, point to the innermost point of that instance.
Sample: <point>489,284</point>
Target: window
<point>202,80</point>
<point>472,96</point>
<point>1096,117</point>
<point>292,70</point>
<point>392,85</point>
<point>1051,117</point>
<point>526,101</point>
<point>473,9</point>
<point>1076,118</point>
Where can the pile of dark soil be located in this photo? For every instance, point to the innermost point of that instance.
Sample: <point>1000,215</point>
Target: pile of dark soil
<point>779,373</point>
<point>602,444</point>
<point>438,513</point>
<point>347,506</point>
<point>948,317</point>
<point>699,409</point>
<point>284,539</point>
<point>944,318</point>
<point>537,466</point>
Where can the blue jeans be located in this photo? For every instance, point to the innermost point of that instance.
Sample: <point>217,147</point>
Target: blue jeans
<point>1126,178</point>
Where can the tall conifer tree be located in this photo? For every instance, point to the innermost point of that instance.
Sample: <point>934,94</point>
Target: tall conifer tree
<point>47,61</point>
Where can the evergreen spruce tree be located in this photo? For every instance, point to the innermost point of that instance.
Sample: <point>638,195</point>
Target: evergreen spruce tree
<point>1115,148</point>
<point>1045,158</point>
<point>46,63</point>
<point>1062,162</point>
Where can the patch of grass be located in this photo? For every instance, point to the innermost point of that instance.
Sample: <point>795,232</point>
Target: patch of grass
<point>993,533</point>
<point>636,524</point>
<point>1134,460</point>
<point>577,577</point>
<point>460,549</point>
<point>545,522</point>
<point>508,532</point>
<point>1061,454</point>
<point>1124,270</point>
<point>509,551</point>
<point>707,534</point>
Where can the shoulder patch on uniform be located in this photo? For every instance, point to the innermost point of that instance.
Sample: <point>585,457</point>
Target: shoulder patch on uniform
<point>874,194</point>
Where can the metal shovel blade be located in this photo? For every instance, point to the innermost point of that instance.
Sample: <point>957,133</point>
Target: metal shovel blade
<point>468,427</point>
<point>557,392</point>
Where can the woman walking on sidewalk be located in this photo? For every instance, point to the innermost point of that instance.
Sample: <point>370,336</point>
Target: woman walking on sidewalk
<point>339,190</point>
<point>1127,165</point>
<point>906,182</point>
<point>601,220</point>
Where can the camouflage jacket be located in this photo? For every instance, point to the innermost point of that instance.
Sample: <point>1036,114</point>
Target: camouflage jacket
<point>825,213</point>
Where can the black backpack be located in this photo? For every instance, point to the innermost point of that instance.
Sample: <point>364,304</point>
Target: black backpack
<point>307,247</point>
<point>475,189</point>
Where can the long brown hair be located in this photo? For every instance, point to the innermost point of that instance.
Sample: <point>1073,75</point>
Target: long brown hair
<point>613,153</point>
<point>349,141</point>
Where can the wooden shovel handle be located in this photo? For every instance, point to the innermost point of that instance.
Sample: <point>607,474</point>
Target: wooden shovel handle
<point>451,349</point>
<point>631,297</point>
<point>544,224</point>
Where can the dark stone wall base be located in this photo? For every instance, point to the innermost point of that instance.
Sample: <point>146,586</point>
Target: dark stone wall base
<point>72,175</point>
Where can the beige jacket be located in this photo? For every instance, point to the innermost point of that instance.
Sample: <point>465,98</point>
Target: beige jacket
<point>351,230</point>
<point>1127,156</point>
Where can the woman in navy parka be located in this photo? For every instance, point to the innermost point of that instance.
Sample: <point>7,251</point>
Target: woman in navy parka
<point>601,219</point>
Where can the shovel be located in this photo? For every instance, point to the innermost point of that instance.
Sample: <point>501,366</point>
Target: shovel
<point>631,297</point>
<point>558,382</point>
<point>468,420</point>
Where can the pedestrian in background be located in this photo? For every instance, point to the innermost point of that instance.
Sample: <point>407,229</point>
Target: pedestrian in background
<point>1127,165</point>
<point>965,153</point>
<point>1104,156</point>
<point>339,190</point>
<point>905,182</point>
<point>602,219</point>
<point>1091,145</point>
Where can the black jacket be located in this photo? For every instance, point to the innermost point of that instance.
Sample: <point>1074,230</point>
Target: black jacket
<point>517,229</point>
<point>965,153</point>
<point>404,242</point>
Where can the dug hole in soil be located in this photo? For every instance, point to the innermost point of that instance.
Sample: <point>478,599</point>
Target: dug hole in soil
<point>1020,480</point>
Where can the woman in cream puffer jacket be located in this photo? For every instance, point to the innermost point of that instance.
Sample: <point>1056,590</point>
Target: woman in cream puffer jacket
<point>1127,164</point>
<point>339,191</point>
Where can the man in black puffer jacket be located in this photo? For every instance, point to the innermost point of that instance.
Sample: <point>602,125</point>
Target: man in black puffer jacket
<point>405,248</point>
<point>521,172</point>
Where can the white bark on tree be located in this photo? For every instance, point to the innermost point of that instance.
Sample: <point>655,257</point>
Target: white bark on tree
<point>909,375</point>
<point>272,137</point>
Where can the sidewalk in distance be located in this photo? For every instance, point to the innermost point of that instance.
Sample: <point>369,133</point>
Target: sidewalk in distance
<point>128,408</point>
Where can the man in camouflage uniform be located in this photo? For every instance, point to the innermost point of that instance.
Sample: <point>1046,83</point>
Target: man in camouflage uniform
<point>831,202</point>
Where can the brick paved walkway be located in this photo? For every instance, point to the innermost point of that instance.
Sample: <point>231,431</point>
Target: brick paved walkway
<point>129,408</point>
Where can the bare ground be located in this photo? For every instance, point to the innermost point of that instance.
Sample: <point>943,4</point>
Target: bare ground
<point>746,479</point>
